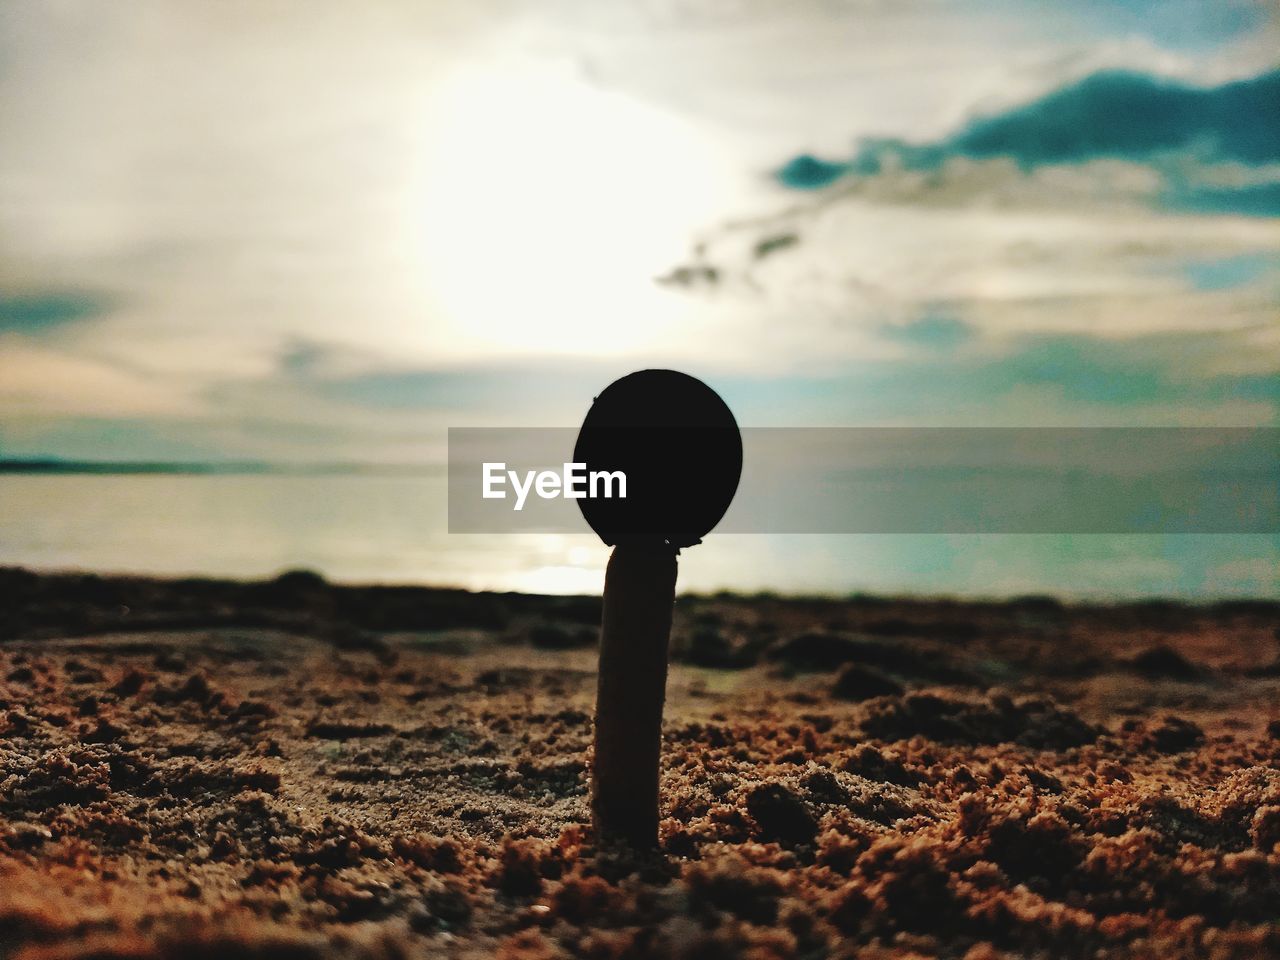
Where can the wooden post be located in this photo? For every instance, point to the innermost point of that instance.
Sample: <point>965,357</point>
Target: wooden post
<point>639,593</point>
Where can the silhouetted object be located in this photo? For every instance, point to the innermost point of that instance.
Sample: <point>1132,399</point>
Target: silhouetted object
<point>679,447</point>
<point>639,592</point>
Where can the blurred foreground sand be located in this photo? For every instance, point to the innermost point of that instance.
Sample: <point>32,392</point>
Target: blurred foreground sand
<point>194,768</point>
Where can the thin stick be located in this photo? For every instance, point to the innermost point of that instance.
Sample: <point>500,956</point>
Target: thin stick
<point>639,592</point>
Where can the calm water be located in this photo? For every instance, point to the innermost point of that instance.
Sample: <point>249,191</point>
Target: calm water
<point>393,528</point>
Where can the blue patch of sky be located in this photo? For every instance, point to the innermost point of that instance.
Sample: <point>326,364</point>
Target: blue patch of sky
<point>508,393</point>
<point>36,313</point>
<point>409,389</point>
<point>936,329</point>
<point>1263,387</point>
<point>1228,273</point>
<point>1079,370</point>
<point>1255,200</point>
<point>1193,25</point>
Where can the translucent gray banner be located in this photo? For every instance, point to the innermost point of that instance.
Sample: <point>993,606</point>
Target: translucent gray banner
<point>912,480</point>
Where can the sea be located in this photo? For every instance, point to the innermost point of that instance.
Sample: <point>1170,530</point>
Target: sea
<point>393,528</point>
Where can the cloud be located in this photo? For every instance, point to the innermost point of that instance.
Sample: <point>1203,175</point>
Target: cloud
<point>353,258</point>
<point>1188,134</point>
<point>42,382</point>
<point>1103,247</point>
<point>1049,254</point>
<point>555,392</point>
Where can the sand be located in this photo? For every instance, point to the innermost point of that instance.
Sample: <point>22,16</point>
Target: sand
<point>295,769</point>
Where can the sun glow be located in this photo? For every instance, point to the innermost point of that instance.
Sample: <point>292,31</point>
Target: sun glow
<point>548,205</point>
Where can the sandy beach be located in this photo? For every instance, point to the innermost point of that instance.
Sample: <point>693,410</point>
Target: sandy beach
<point>298,769</point>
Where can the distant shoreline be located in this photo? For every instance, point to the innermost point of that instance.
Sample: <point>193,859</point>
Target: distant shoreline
<point>53,466</point>
<point>82,596</point>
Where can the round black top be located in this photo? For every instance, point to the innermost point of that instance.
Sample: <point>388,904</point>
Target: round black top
<point>679,447</point>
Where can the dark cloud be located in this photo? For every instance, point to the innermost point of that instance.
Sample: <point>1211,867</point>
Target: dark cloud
<point>1131,116</point>
<point>807,172</point>
<point>1114,114</point>
<point>302,357</point>
<point>35,313</point>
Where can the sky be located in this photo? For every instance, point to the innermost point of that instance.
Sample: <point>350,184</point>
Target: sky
<point>316,232</point>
